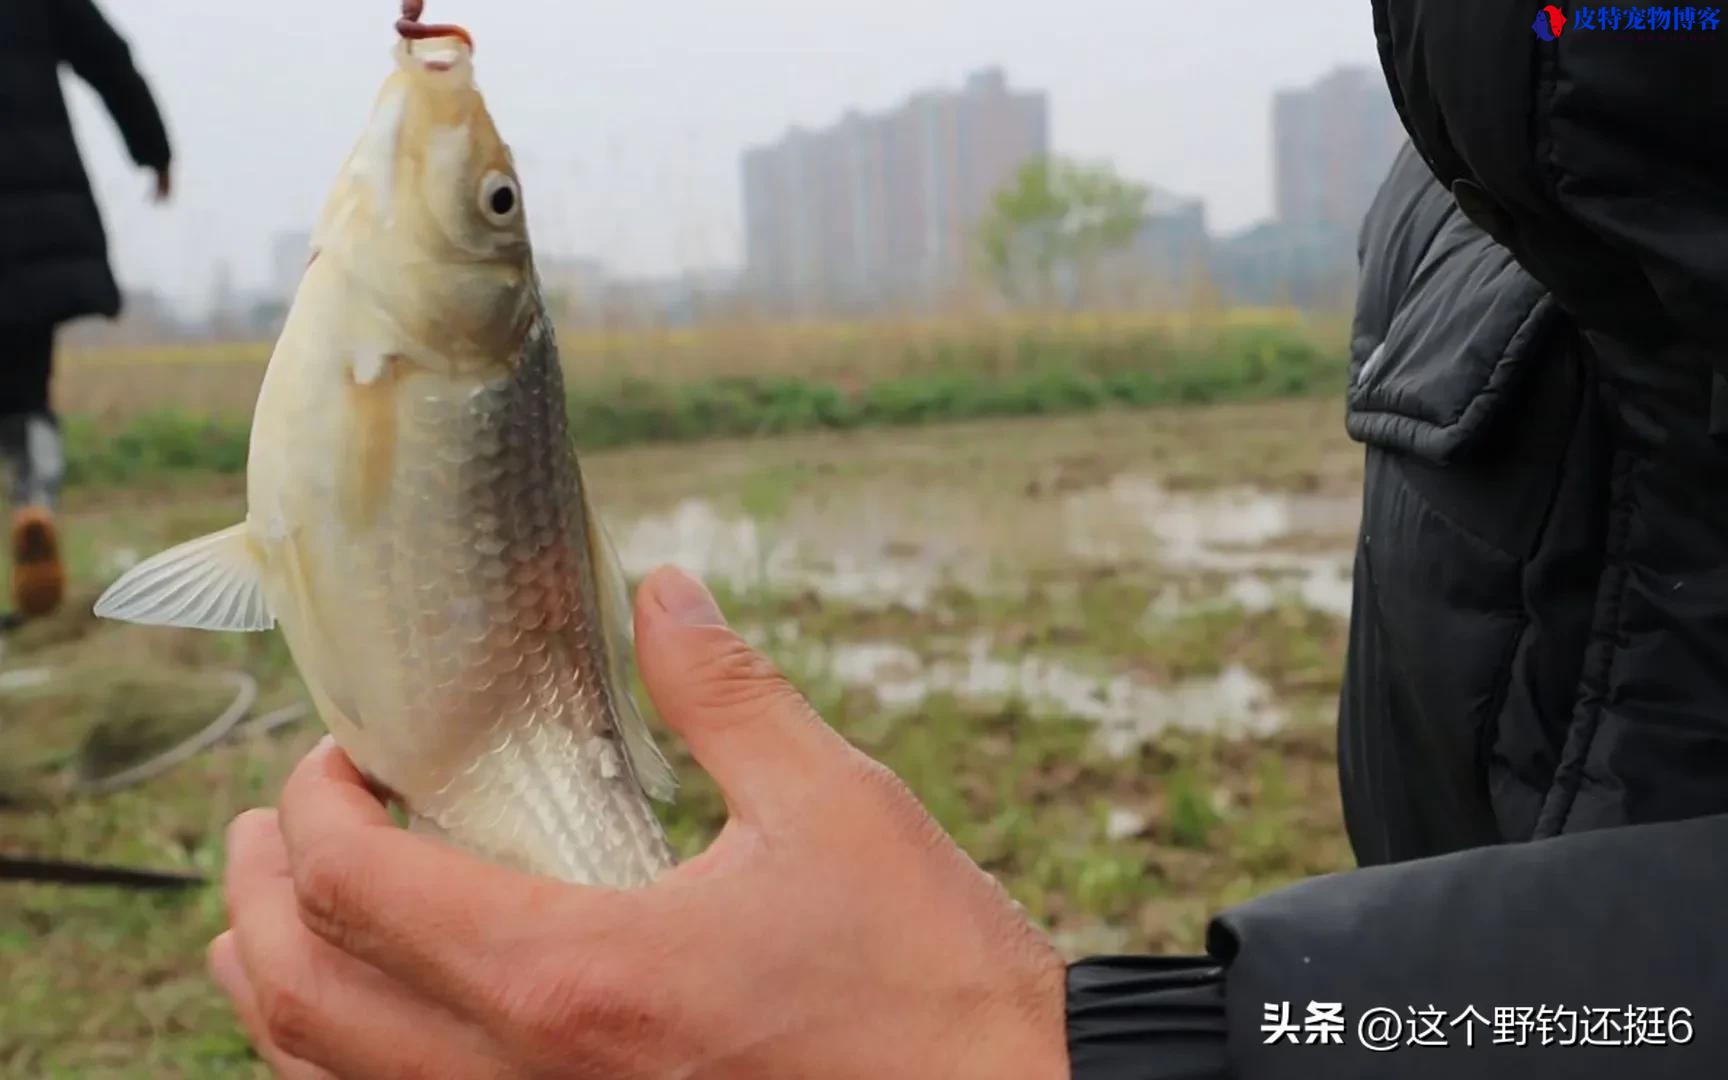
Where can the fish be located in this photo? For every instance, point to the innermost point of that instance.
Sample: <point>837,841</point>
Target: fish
<point>417,522</point>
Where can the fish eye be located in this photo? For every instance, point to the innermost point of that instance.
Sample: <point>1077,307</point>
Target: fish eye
<point>499,199</point>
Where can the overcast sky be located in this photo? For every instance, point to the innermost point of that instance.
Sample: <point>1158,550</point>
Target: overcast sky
<point>627,118</point>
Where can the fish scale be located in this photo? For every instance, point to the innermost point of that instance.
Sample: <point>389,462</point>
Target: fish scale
<point>553,736</point>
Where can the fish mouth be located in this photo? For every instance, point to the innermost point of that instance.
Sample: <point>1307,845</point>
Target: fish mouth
<point>437,53</point>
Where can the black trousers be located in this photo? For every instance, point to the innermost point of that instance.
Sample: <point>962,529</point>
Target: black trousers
<point>26,366</point>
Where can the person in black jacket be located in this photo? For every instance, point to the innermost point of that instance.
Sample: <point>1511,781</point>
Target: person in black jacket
<point>53,250</point>
<point>1533,736</point>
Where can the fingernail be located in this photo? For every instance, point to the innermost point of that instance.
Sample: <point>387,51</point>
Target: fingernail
<point>686,599</point>
<point>224,964</point>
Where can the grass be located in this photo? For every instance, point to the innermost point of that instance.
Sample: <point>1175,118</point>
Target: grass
<point>188,409</point>
<point>1047,378</point>
<point>1107,853</point>
<point>848,353</point>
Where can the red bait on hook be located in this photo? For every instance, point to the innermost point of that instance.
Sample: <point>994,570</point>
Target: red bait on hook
<point>410,26</point>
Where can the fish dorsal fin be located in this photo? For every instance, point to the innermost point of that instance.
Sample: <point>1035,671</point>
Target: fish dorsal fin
<point>652,769</point>
<point>212,583</point>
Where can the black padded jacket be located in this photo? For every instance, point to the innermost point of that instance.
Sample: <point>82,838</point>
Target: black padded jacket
<point>1533,736</point>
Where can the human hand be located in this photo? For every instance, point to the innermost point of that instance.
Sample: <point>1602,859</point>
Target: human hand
<point>164,184</point>
<point>832,929</point>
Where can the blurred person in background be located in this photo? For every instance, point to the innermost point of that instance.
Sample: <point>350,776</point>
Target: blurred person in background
<point>1533,739</point>
<point>53,249</point>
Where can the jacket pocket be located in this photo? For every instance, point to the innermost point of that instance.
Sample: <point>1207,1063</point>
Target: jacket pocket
<point>1468,394</point>
<point>1447,382</point>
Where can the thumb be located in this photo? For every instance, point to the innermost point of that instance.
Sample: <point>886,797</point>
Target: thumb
<point>744,722</point>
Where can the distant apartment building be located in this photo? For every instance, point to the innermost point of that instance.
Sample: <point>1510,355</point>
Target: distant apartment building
<point>1307,266</point>
<point>1161,265</point>
<point>880,210</point>
<point>1173,248</point>
<point>1332,145</point>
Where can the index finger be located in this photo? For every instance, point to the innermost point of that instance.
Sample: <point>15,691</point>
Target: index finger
<point>430,916</point>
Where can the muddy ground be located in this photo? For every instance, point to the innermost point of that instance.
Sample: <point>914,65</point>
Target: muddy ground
<point>1105,650</point>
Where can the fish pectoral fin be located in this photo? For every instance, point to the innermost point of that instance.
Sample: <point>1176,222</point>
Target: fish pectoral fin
<point>212,583</point>
<point>652,769</point>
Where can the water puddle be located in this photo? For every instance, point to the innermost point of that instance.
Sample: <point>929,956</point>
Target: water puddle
<point>1124,822</point>
<point>25,681</point>
<point>900,546</point>
<point>1326,586</point>
<point>1127,711</point>
<point>1232,532</point>
<point>859,560</point>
